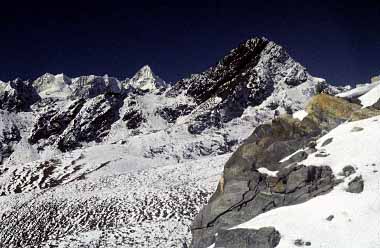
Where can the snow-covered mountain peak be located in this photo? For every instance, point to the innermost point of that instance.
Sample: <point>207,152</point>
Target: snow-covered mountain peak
<point>62,76</point>
<point>49,85</point>
<point>146,71</point>
<point>146,80</point>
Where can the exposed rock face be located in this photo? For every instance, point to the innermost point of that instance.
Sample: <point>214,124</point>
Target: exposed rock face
<point>54,121</point>
<point>17,96</point>
<point>171,114</point>
<point>133,118</point>
<point>8,138</point>
<point>244,192</point>
<point>248,238</point>
<point>247,76</point>
<point>93,121</point>
<point>221,79</point>
<point>332,111</point>
<point>376,105</point>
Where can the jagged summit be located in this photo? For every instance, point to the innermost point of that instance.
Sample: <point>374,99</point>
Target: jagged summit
<point>62,86</point>
<point>257,74</point>
<point>145,79</point>
<point>50,85</point>
<point>255,67</point>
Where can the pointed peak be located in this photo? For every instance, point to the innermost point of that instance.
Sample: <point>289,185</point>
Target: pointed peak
<point>145,71</point>
<point>63,77</point>
<point>146,68</point>
<point>51,77</point>
<point>145,79</point>
<point>60,75</point>
<point>47,74</point>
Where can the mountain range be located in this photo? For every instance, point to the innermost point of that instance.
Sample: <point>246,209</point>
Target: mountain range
<point>95,161</point>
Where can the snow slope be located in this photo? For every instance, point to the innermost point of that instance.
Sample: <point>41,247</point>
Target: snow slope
<point>50,85</point>
<point>358,91</point>
<point>372,96</point>
<point>354,218</point>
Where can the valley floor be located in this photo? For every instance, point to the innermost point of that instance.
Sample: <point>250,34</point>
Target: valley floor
<point>151,207</point>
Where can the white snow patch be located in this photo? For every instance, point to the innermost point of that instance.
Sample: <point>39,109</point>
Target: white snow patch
<point>371,97</point>
<point>359,90</point>
<point>300,115</point>
<point>267,172</point>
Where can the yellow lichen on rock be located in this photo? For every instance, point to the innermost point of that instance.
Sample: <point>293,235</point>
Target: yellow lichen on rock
<point>323,107</point>
<point>364,114</point>
<point>331,106</point>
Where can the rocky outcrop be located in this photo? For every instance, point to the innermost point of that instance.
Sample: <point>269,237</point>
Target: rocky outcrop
<point>171,113</point>
<point>376,105</point>
<point>244,192</point>
<point>133,118</point>
<point>248,238</point>
<point>332,111</point>
<point>17,95</point>
<point>8,139</point>
<point>54,121</point>
<point>356,185</point>
<point>92,123</point>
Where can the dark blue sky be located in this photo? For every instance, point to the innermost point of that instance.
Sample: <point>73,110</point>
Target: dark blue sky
<point>337,41</point>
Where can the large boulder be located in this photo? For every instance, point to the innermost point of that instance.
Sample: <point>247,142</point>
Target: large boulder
<point>267,237</point>
<point>332,111</point>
